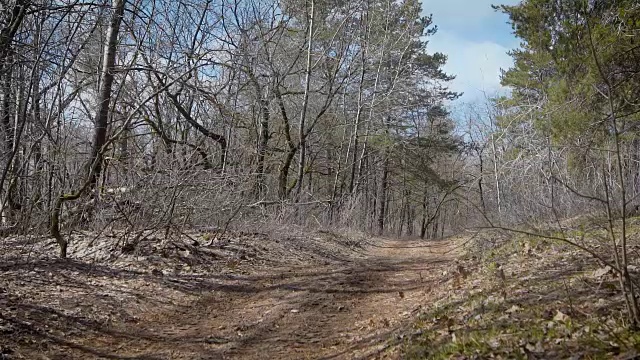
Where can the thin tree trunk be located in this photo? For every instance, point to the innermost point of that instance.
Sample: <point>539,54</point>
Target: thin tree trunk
<point>283,175</point>
<point>382,198</point>
<point>480,185</point>
<point>338,170</point>
<point>496,177</point>
<point>425,209</point>
<point>356,125</point>
<point>104,98</point>
<point>8,32</point>
<point>262,144</point>
<point>305,103</point>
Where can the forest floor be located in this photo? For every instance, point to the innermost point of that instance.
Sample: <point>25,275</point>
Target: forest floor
<point>525,297</point>
<point>320,295</point>
<point>245,296</point>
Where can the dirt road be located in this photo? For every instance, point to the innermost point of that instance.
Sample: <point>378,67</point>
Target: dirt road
<point>340,310</point>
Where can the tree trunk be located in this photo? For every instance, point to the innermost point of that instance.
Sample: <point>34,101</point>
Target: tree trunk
<point>425,210</point>
<point>382,198</point>
<point>104,97</point>
<point>283,175</point>
<point>480,185</point>
<point>262,144</point>
<point>8,32</point>
<point>283,188</point>
<point>356,125</point>
<point>305,103</point>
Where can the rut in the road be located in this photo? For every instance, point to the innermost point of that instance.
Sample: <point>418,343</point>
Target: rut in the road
<point>346,311</point>
<point>317,296</point>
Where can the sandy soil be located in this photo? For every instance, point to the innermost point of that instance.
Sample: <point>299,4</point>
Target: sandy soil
<point>355,301</point>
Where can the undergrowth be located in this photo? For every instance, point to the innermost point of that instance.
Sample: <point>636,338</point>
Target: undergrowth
<point>530,298</point>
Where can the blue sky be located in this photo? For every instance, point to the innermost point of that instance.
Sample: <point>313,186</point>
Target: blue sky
<point>476,39</point>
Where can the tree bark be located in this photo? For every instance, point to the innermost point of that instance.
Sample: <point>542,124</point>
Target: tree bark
<point>104,98</point>
<point>283,175</point>
<point>305,103</point>
<point>262,143</point>
<point>382,198</point>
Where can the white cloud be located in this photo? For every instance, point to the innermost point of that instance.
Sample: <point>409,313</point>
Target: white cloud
<point>476,40</point>
<point>476,64</point>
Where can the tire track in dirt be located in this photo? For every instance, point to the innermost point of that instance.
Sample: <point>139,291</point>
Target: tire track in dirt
<point>335,311</point>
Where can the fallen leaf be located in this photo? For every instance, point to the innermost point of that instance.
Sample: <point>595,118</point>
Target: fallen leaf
<point>602,272</point>
<point>527,249</point>
<point>513,309</point>
<point>560,316</point>
<point>537,348</point>
<point>461,271</point>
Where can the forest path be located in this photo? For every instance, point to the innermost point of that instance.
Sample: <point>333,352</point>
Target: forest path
<point>347,311</point>
<point>308,298</point>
